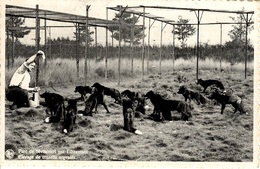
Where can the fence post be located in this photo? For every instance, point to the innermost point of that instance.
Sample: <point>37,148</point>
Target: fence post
<point>96,54</point>
<point>7,50</point>
<point>247,24</point>
<point>86,47</point>
<point>45,38</point>
<point>77,49</point>
<point>132,46</point>
<point>220,66</point>
<point>173,47</point>
<point>199,16</point>
<point>37,43</point>
<point>143,51</point>
<point>160,62</point>
<point>119,48</point>
<point>13,44</point>
<point>106,45</point>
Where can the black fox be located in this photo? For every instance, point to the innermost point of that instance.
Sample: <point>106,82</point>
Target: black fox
<point>165,106</point>
<point>206,83</point>
<point>96,98</point>
<point>136,97</point>
<point>133,95</point>
<point>114,93</point>
<point>223,98</point>
<point>128,114</point>
<point>83,90</point>
<point>55,105</point>
<point>192,95</point>
<point>70,117</point>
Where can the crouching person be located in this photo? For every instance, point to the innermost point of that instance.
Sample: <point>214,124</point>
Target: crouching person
<point>18,90</point>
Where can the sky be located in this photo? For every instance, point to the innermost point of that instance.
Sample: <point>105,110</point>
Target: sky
<point>208,34</point>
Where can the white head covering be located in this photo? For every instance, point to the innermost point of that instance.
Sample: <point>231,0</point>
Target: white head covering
<point>41,53</point>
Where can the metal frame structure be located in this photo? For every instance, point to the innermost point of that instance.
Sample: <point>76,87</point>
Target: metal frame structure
<point>17,11</point>
<point>198,12</point>
<point>55,16</point>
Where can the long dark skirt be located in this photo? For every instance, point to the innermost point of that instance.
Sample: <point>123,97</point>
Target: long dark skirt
<point>18,96</point>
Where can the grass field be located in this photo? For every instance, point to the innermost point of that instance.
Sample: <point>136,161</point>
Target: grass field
<point>208,136</point>
<point>63,71</point>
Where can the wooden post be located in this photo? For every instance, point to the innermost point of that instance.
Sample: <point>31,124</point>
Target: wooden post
<point>7,53</point>
<point>247,24</point>
<point>106,45</point>
<point>86,47</point>
<point>143,51</point>
<point>77,49</point>
<point>37,43</point>
<point>198,41</point>
<point>198,48</point>
<point>221,53</point>
<point>96,51</point>
<point>173,47</point>
<point>119,48</point>
<point>45,39</point>
<point>160,62</point>
<point>148,45</point>
<point>13,44</point>
<point>132,47</point>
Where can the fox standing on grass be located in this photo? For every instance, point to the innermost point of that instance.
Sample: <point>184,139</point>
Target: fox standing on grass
<point>18,89</point>
<point>228,98</point>
<point>192,95</point>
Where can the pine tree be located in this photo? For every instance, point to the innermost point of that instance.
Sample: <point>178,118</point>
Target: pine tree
<point>126,22</point>
<point>12,27</point>
<point>183,31</point>
<point>236,47</point>
<point>238,33</point>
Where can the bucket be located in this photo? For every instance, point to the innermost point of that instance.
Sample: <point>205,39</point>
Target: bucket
<point>34,99</point>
